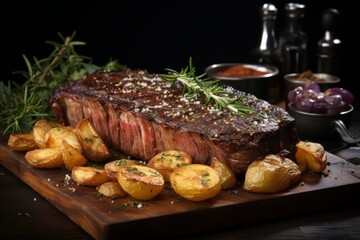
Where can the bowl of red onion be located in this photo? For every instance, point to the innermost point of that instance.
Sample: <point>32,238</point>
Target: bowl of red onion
<point>315,110</point>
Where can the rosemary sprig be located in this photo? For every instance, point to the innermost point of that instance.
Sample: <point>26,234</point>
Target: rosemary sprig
<point>209,88</point>
<point>22,104</point>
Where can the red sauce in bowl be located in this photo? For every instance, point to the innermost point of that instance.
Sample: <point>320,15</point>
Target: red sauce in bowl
<point>240,71</point>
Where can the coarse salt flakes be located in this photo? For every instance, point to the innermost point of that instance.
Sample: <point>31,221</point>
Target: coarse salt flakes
<point>130,84</point>
<point>142,84</point>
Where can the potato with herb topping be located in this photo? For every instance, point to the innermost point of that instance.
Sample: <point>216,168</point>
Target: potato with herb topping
<point>41,127</point>
<point>92,144</point>
<point>111,168</point>
<point>196,182</point>
<point>56,135</point>
<point>140,182</point>
<point>71,156</point>
<point>167,161</point>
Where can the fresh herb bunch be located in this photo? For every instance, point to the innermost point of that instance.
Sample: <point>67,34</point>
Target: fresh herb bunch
<point>23,104</point>
<point>210,89</point>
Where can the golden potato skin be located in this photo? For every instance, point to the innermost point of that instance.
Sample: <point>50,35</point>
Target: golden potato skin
<point>196,182</point>
<point>41,127</point>
<point>227,176</point>
<point>111,168</point>
<point>272,174</point>
<point>93,146</point>
<point>45,157</point>
<point>22,142</point>
<point>140,182</point>
<point>167,161</point>
<point>311,156</point>
<point>111,190</point>
<point>71,156</point>
<point>89,176</point>
<point>293,170</point>
<point>56,135</point>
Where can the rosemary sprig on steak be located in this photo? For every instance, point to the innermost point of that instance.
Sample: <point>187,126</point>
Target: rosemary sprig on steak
<point>22,104</point>
<point>209,88</point>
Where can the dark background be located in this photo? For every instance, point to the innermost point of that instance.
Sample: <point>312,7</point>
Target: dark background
<point>156,35</point>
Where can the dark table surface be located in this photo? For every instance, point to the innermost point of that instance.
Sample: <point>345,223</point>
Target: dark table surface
<point>24,213</point>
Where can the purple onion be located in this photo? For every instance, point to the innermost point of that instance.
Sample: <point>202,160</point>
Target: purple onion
<point>347,96</point>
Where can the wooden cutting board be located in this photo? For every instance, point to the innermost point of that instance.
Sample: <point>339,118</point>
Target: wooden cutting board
<point>169,215</point>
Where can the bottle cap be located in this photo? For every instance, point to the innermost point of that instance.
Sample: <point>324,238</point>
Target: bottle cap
<point>295,10</point>
<point>268,11</point>
<point>330,19</point>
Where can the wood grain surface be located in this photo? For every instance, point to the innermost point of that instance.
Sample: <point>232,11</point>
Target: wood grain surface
<point>105,218</point>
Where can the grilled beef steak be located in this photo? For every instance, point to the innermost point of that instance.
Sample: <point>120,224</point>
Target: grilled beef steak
<point>140,115</point>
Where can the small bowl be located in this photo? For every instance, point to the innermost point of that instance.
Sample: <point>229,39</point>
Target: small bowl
<point>318,126</point>
<point>257,79</point>
<point>324,80</point>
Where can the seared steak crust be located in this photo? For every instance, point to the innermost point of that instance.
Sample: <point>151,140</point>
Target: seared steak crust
<point>140,115</point>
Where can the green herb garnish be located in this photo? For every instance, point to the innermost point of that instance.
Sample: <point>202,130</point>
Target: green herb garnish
<point>22,104</point>
<point>97,166</point>
<point>209,88</point>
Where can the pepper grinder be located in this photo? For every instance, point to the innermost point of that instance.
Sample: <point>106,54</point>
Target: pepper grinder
<point>268,46</point>
<point>329,47</point>
<point>267,51</point>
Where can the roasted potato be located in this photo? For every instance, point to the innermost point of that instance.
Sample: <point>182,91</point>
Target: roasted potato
<point>22,142</point>
<point>272,174</point>
<point>227,176</point>
<point>111,190</point>
<point>311,156</point>
<point>89,176</point>
<point>92,144</point>
<point>167,161</point>
<point>45,157</point>
<point>56,135</point>
<point>40,129</point>
<point>196,182</point>
<point>111,168</point>
<point>140,182</point>
<point>71,156</point>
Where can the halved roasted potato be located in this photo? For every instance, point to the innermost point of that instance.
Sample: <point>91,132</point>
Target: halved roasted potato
<point>22,142</point>
<point>272,174</point>
<point>111,168</point>
<point>140,182</point>
<point>311,156</point>
<point>71,156</point>
<point>111,190</point>
<point>45,157</point>
<point>93,146</point>
<point>40,129</point>
<point>89,176</point>
<point>196,182</point>
<point>167,161</point>
<point>56,135</point>
<point>227,176</point>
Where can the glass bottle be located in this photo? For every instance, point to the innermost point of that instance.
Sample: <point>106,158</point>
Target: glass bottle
<point>293,41</point>
<point>267,51</point>
<point>329,47</point>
